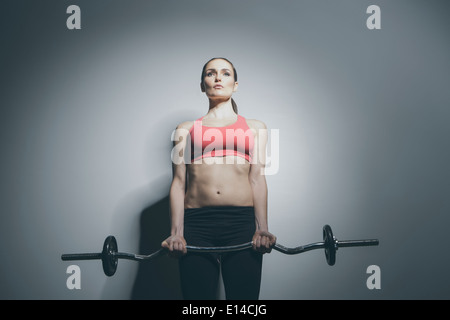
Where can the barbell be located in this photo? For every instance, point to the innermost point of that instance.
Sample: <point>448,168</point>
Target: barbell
<point>110,255</point>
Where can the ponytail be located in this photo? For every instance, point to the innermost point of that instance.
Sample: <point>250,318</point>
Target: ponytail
<point>235,108</point>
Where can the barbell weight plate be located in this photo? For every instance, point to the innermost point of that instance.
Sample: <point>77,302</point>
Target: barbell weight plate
<point>109,260</point>
<point>330,248</point>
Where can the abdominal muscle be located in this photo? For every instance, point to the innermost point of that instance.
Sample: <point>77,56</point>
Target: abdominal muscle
<point>220,181</point>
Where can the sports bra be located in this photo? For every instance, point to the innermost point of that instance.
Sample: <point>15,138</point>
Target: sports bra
<point>233,140</point>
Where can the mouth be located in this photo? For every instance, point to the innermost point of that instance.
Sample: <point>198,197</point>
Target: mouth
<point>218,86</point>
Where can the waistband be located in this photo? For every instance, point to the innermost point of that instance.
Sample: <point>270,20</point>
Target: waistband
<point>231,209</point>
<point>220,212</point>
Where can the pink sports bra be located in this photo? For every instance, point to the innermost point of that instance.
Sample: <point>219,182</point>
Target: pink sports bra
<point>233,140</point>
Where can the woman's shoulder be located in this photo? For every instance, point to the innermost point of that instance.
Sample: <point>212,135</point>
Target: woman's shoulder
<point>255,124</point>
<point>187,125</point>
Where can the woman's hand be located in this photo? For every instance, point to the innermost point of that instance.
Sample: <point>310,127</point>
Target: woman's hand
<point>176,246</point>
<point>263,241</point>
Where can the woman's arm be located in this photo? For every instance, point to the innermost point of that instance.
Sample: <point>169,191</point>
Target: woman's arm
<point>263,240</point>
<point>176,242</point>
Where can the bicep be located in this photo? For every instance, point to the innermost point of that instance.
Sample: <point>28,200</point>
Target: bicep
<point>179,138</point>
<point>258,163</point>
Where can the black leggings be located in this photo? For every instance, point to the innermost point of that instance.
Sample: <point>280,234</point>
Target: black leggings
<point>241,270</point>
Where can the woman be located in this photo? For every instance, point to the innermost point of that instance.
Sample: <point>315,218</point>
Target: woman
<point>219,197</point>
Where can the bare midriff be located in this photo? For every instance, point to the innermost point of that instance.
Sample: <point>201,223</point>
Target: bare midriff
<point>221,181</point>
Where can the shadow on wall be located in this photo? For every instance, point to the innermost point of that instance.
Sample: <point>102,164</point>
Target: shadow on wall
<point>159,278</point>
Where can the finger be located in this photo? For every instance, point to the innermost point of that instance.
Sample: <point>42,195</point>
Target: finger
<point>263,241</point>
<point>180,247</point>
<point>255,243</point>
<point>268,243</point>
<point>262,246</point>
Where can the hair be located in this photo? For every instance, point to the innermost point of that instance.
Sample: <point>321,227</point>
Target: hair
<point>233,103</point>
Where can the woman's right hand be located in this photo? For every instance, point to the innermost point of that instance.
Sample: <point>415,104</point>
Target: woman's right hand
<point>176,245</point>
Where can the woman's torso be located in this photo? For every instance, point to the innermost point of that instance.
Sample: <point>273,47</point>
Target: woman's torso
<point>218,181</point>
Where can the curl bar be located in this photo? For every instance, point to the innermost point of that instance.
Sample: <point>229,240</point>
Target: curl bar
<point>110,255</point>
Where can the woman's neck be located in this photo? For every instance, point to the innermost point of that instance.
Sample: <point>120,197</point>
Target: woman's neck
<point>222,109</point>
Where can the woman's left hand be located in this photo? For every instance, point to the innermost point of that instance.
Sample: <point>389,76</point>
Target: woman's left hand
<point>263,241</point>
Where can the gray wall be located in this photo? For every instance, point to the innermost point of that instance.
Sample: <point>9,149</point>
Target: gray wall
<point>363,120</point>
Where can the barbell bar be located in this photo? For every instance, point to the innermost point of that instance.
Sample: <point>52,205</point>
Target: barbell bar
<point>110,254</point>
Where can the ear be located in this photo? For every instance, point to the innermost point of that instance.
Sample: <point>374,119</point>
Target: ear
<point>202,86</point>
<point>236,85</point>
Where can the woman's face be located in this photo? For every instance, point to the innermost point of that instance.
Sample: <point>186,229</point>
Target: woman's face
<point>218,80</point>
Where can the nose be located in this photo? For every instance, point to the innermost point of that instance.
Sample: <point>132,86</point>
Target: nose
<point>218,78</point>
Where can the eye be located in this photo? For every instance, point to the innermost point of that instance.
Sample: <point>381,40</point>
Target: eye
<point>227,74</point>
<point>209,74</point>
